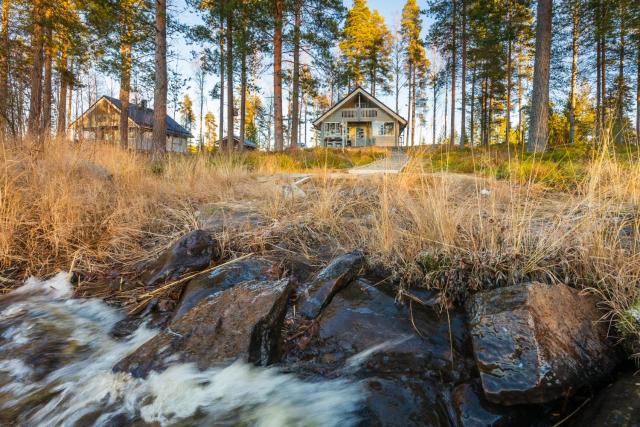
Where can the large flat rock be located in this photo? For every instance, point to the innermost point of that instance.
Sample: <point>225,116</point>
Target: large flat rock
<point>535,343</point>
<point>243,322</point>
<point>617,405</point>
<point>222,278</point>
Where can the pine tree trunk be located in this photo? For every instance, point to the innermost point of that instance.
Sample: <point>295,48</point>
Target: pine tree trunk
<point>539,120</point>
<point>507,132</point>
<point>520,108</point>
<point>243,91</point>
<point>473,106</point>
<point>598,124</point>
<point>409,104</point>
<point>413,108</point>
<point>222,66</point>
<point>277,75</point>
<point>125,88</point>
<point>603,85</point>
<point>463,80</point>
<point>4,68</point>
<point>229,38</point>
<point>435,98</point>
<point>574,71</point>
<point>159,135</point>
<point>61,125</point>
<point>35,97</point>
<point>446,106</point>
<point>619,131</point>
<point>47,94</point>
<point>453,74</point>
<point>295,106</point>
<point>638,95</point>
<point>491,110</point>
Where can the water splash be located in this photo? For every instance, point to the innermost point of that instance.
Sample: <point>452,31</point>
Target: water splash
<point>56,359</point>
<point>358,359</point>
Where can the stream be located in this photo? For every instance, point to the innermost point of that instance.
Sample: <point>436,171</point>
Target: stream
<point>56,359</point>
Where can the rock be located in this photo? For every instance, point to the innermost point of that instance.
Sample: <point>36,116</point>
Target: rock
<point>220,279</point>
<point>535,343</point>
<point>473,410</point>
<point>243,322</point>
<point>192,252</point>
<point>363,331</point>
<point>314,296</point>
<point>617,405</point>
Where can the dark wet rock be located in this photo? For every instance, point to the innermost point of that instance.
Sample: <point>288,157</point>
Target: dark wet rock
<point>617,405</point>
<point>536,343</point>
<point>192,252</point>
<point>404,402</point>
<point>243,322</point>
<point>473,410</point>
<point>364,331</point>
<point>315,295</point>
<point>220,279</point>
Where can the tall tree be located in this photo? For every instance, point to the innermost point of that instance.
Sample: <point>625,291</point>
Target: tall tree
<point>539,121</point>
<point>229,9</point>
<point>295,109</point>
<point>415,55</point>
<point>277,73</point>
<point>159,134</point>
<point>454,59</point>
<point>35,99</point>
<point>463,80</point>
<point>4,67</point>
<point>574,9</point>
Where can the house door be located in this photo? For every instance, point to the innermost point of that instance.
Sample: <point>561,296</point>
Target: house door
<point>360,139</point>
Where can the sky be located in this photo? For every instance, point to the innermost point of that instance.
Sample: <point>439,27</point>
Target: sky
<point>390,10</point>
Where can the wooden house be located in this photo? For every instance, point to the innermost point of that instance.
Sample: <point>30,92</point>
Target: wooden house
<point>248,144</point>
<point>101,123</point>
<point>360,120</point>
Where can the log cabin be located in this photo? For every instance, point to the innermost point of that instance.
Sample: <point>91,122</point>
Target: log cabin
<point>101,123</point>
<point>360,120</point>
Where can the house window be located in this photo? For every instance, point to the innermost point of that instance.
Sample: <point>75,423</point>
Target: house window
<point>333,128</point>
<point>386,128</point>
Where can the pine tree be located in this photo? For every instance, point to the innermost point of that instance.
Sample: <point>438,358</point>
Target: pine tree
<point>539,121</point>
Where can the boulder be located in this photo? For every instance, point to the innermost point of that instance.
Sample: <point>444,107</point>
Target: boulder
<point>243,322</point>
<point>535,343</point>
<point>192,252</point>
<point>315,295</point>
<point>363,331</point>
<point>220,279</point>
<point>230,217</point>
<point>617,405</point>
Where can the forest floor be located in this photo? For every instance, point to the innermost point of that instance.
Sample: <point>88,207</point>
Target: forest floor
<point>455,220</point>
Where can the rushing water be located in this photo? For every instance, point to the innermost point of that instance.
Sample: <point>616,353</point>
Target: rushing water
<point>56,359</point>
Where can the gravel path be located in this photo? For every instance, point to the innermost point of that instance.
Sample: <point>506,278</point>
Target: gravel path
<point>393,163</point>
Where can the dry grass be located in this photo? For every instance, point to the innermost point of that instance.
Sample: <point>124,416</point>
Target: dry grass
<point>454,233</point>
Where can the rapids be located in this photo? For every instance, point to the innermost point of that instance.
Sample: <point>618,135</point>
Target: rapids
<point>56,359</point>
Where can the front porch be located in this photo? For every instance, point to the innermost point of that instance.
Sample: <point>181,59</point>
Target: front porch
<point>350,134</point>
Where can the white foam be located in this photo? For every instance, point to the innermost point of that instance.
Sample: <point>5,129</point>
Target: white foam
<point>85,385</point>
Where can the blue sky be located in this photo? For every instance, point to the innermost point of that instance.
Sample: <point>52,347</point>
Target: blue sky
<point>390,10</point>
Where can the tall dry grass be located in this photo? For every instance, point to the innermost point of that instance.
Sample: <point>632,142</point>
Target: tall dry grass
<point>452,232</point>
<point>98,207</point>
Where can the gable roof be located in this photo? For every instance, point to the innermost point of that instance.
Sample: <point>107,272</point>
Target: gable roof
<point>351,95</point>
<point>143,117</point>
